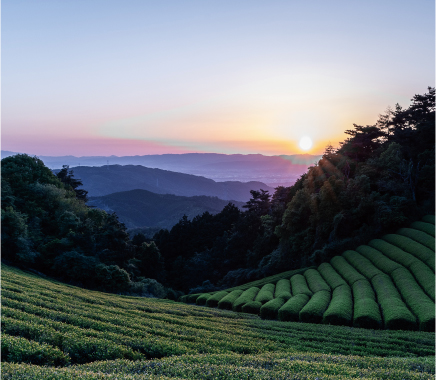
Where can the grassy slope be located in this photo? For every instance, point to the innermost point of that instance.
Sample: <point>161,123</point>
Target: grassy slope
<point>93,335</point>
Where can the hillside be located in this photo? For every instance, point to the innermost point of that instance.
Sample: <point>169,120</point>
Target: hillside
<point>389,283</point>
<point>142,208</point>
<point>99,181</point>
<point>92,335</point>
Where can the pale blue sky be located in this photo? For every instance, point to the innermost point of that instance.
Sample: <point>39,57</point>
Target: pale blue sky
<point>221,76</point>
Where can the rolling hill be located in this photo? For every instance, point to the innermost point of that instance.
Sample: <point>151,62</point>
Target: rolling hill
<point>99,181</point>
<point>142,208</point>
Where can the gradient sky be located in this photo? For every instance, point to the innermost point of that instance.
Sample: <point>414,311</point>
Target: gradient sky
<point>102,77</point>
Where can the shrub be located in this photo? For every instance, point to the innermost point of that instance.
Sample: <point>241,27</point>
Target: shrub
<point>227,301</point>
<point>20,350</point>
<point>213,300</point>
<point>367,314</point>
<point>416,299</point>
<point>192,298</point>
<point>361,263</point>
<point>315,281</point>
<point>429,219</point>
<point>396,315</point>
<point>290,311</point>
<point>265,294</point>
<point>252,307</point>
<point>247,296</point>
<point>283,289</point>
<point>378,259</point>
<point>362,289</point>
<point>428,228</point>
<point>331,276</point>
<point>299,285</point>
<point>419,236</point>
<point>418,250</point>
<point>340,310</point>
<point>392,252</point>
<point>201,300</point>
<point>425,277</point>
<point>271,308</point>
<point>313,311</point>
<point>350,274</point>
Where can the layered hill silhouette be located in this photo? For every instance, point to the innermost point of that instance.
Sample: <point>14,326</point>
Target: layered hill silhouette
<point>99,181</point>
<point>142,208</point>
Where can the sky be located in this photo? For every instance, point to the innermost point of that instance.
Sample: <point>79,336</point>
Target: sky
<point>136,77</point>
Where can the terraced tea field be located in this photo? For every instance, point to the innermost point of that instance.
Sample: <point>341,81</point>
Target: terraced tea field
<point>389,283</point>
<point>55,331</point>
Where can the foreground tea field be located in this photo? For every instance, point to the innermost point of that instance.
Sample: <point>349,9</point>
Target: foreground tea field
<point>389,283</point>
<point>65,332</point>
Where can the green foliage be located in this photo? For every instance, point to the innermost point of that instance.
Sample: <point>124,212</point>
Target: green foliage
<point>428,228</point>
<point>362,289</point>
<point>350,274</point>
<point>283,289</point>
<point>419,236</point>
<point>393,252</point>
<point>192,298</point>
<point>227,301</point>
<point>340,309</point>
<point>362,264</point>
<point>252,307</point>
<point>416,299</point>
<point>425,277</point>
<point>378,259</point>
<point>271,308</point>
<point>429,219</point>
<point>332,277</point>
<point>299,285</point>
<point>213,300</point>
<point>313,311</point>
<point>247,296</point>
<point>290,311</point>
<point>201,300</point>
<point>315,281</point>
<point>367,314</point>
<point>418,250</point>
<point>265,294</point>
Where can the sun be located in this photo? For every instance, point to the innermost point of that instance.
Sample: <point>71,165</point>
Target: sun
<point>305,143</point>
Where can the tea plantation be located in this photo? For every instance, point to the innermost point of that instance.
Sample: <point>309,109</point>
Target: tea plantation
<point>387,284</point>
<point>52,330</point>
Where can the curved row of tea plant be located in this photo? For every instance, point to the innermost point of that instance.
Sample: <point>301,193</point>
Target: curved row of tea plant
<point>388,283</point>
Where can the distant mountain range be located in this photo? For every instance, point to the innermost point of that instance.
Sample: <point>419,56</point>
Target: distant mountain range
<point>273,170</point>
<point>105,180</point>
<point>142,208</point>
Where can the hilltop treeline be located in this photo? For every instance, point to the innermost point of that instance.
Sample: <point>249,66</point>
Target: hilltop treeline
<point>379,179</point>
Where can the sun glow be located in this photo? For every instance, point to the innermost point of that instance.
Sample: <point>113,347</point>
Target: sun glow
<point>305,143</point>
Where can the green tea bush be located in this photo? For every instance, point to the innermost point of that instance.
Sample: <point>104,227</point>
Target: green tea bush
<point>290,311</point>
<point>252,307</point>
<point>361,263</point>
<point>227,301</point>
<point>332,277</point>
<point>350,274</point>
<point>299,285</point>
<point>20,350</point>
<point>419,236</point>
<point>429,219</point>
<point>396,315</point>
<point>247,296</point>
<point>425,277</point>
<point>423,253</point>
<point>393,252</point>
<point>283,289</point>
<point>201,300</point>
<point>313,311</point>
<point>315,281</point>
<point>213,300</point>
<point>367,314</point>
<point>265,294</point>
<point>414,297</point>
<point>428,228</point>
<point>271,308</point>
<point>192,298</point>
<point>362,289</point>
<point>378,259</point>
<point>340,310</point>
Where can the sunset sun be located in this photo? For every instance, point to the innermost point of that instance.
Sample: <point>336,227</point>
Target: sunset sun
<point>305,143</point>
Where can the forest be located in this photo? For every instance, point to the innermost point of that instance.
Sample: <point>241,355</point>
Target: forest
<point>381,178</point>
